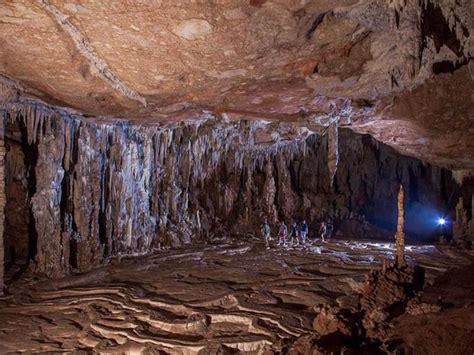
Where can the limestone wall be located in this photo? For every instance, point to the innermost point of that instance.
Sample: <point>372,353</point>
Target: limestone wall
<point>2,201</point>
<point>81,190</point>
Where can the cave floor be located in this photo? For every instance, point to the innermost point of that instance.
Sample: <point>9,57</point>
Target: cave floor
<point>234,295</point>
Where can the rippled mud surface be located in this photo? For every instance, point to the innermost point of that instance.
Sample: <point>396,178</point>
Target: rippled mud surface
<point>234,296</point>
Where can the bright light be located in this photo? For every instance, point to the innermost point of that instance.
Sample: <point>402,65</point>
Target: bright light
<point>441,221</point>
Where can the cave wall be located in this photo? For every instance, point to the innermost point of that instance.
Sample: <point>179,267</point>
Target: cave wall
<point>80,191</point>
<point>2,202</point>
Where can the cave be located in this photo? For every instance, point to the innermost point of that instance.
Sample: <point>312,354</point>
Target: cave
<point>258,177</point>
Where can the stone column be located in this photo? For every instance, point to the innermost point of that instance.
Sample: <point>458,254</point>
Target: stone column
<point>400,235</point>
<point>471,223</point>
<point>2,200</point>
<point>460,223</point>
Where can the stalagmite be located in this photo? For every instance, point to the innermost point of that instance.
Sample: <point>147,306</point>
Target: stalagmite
<point>460,225</point>
<point>400,235</point>
<point>471,224</point>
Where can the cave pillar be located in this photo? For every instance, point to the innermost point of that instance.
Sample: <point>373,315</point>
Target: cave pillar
<point>2,201</point>
<point>400,235</point>
<point>460,223</point>
<point>471,224</point>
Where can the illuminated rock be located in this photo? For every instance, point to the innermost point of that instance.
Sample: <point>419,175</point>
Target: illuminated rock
<point>400,235</point>
<point>80,191</point>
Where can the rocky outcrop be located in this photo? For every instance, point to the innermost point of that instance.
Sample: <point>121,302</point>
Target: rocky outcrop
<point>463,227</point>
<point>386,294</point>
<point>330,320</point>
<point>81,191</point>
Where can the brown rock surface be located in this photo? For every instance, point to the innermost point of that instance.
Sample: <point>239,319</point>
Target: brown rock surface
<point>386,294</point>
<point>399,70</point>
<point>331,320</point>
<point>235,295</point>
<point>448,331</point>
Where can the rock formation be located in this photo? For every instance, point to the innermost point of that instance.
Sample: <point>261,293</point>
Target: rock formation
<point>132,127</point>
<point>471,224</point>
<point>2,205</point>
<point>84,191</point>
<point>461,227</point>
<point>386,294</point>
<point>371,64</point>
<point>334,319</point>
<point>400,234</point>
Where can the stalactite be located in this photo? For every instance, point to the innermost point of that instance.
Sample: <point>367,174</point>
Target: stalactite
<point>333,151</point>
<point>103,189</point>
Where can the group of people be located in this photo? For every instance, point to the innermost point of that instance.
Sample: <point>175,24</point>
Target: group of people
<point>296,235</point>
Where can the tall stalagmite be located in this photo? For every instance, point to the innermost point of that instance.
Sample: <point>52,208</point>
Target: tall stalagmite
<point>471,223</point>
<point>460,225</point>
<point>400,235</point>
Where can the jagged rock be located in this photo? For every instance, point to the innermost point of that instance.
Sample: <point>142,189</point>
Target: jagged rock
<point>82,191</point>
<point>415,307</point>
<point>386,294</point>
<point>331,320</point>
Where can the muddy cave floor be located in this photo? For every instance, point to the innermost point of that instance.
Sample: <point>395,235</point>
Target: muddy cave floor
<point>233,294</point>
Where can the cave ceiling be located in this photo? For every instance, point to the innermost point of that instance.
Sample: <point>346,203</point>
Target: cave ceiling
<point>399,70</point>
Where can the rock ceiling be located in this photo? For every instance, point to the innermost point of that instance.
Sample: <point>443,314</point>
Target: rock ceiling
<point>397,69</point>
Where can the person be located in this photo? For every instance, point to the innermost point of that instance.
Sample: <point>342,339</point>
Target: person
<point>266,232</point>
<point>329,229</point>
<point>322,230</point>
<point>283,234</point>
<point>294,234</point>
<point>303,231</point>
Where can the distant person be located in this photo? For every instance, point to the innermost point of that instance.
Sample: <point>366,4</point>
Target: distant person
<point>294,234</point>
<point>303,231</point>
<point>329,230</point>
<point>266,232</point>
<point>323,231</point>
<point>283,233</point>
